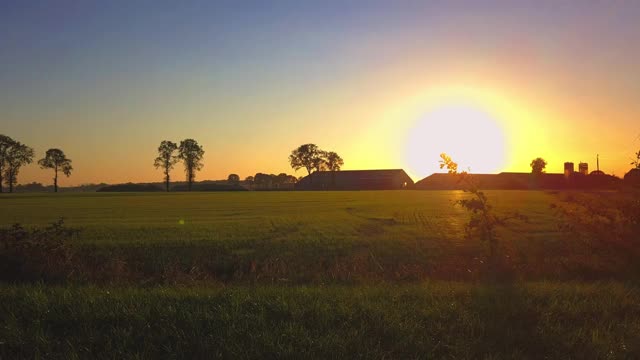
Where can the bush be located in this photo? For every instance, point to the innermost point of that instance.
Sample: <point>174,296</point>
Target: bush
<point>601,231</point>
<point>39,254</point>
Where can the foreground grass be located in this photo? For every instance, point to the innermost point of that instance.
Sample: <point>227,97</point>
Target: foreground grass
<point>451,320</point>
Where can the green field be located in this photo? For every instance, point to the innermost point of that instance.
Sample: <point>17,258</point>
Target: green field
<point>288,236</point>
<point>381,274</point>
<point>250,216</point>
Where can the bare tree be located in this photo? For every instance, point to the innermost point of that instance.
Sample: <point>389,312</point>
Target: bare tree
<point>56,159</point>
<point>5,144</point>
<point>166,159</point>
<point>191,154</point>
<point>17,155</point>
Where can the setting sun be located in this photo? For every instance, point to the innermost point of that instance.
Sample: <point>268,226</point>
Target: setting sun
<point>467,133</point>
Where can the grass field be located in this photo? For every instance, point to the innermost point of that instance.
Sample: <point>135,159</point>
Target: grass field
<point>384,274</point>
<point>247,216</point>
<point>441,320</point>
<point>298,237</point>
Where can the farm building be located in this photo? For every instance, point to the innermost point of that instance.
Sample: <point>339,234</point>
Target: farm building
<point>521,181</point>
<point>356,180</point>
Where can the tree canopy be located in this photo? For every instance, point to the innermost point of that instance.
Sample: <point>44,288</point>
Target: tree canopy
<point>191,153</point>
<point>17,155</point>
<point>333,161</point>
<point>307,156</point>
<point>233,179</point>
<point>636,162</point>
<point>166,159</point>
<point>538,165</point>
<point>56,159</point>
<point>5,143</point>
<point>312,158</point>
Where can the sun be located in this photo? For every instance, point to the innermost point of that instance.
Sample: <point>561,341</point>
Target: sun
<point>470,135</point>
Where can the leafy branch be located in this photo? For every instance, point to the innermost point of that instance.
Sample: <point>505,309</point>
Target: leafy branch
<point>484,222</point>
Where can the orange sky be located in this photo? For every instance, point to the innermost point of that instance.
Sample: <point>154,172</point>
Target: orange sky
<point>561,84</point>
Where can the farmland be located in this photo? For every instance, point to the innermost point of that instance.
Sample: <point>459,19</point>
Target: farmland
<point>316,274</point>
<point>299,237</point>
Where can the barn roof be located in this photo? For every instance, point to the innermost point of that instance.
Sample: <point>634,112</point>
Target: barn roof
<point>514,181</point>
<point>357,179</point>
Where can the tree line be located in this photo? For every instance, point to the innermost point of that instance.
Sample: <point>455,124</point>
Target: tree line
<point>307,156</point>
<point>14,155</point>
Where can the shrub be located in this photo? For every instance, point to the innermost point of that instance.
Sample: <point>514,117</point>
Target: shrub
<point>483,222</point>
<point>603,228</point>
<point>38,254</point>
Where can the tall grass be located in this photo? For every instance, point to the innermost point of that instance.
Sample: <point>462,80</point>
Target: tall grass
<point>436,320</point>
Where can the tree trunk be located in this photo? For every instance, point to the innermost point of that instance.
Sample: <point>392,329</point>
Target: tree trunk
<point>55,180</point>
<point>11,176</point>
<point>167,182</point>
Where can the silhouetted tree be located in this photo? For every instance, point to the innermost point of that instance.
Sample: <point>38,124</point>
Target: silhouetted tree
<point>636,163</point>
<point>263,180</point>
<point>538,165</point>
<point>307,156</point>
<point>319,163</point>
<point>56,159</point>
<point>272,181</point>
<point>32,187</point>
<point>249,180</point>
<point>332,160</point>
<point>282,179</point>
<point>166,159</point>
<point>17,155</point>
<point>233,179</point>
<point>5,143</point>
<point>333,163</point>
<point>191,154</point>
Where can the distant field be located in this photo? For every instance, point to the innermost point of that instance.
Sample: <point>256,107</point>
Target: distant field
<point>253,216</point>
<point>299,237</point>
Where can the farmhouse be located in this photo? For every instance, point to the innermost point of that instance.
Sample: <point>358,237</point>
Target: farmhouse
<point>356,180</point>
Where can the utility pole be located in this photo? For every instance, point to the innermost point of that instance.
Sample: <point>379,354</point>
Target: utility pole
<point>598,162</point>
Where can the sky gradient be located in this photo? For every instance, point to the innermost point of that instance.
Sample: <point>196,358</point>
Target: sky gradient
<point>107,81</point>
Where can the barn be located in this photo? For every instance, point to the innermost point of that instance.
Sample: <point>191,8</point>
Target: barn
<point>520,181</point>
<point>393,179</point>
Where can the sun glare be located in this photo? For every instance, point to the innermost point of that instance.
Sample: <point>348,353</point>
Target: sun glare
<point>471,136</point>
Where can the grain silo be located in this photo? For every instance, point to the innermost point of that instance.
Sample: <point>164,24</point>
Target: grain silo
<point>583,168</point>
<point>568,169</point>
